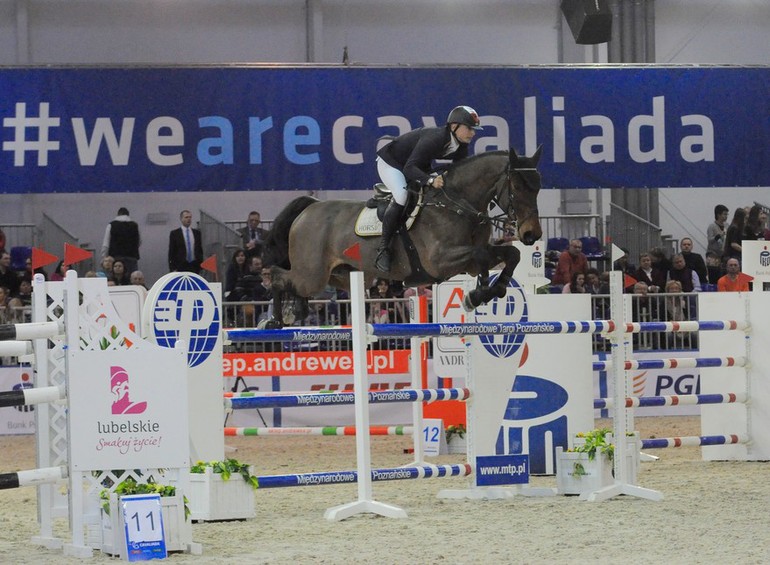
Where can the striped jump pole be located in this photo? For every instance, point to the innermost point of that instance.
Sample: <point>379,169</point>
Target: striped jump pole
<point>254,400</point>
<point>338,477</point>
<point>27,396</point>
<point>674,363</point>
<point>674,400</point>
<point>34,477</point>
<point>693,441</point>
<point>34,330</point>
<point>687,326</point>
<point>340,333</point>
<point>320,431</point>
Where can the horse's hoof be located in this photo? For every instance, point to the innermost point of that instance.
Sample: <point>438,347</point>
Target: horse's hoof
<point>271,324</point>
<point>467,304</point>
<point>500,291</point>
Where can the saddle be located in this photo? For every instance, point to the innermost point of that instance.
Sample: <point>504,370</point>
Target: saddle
<point>369,221</point>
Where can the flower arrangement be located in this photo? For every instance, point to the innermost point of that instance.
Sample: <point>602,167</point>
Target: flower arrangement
<point>226,468</point>
<point>455,430</point>
<point>130,486</point>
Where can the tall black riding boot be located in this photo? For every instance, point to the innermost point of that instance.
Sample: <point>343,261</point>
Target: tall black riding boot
<point>390,223</point>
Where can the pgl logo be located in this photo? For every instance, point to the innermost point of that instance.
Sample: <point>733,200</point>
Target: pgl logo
<point>534,415</point>
<point>187,309</point>
<point>119,387</point>
<point>511,308</point>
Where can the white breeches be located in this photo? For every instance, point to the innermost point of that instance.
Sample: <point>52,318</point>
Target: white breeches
<point>394,180</point>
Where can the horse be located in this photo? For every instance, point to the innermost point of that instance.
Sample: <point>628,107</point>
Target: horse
<point>313,244</point>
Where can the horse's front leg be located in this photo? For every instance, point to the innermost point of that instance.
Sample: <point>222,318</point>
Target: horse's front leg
<point>479,295</point>
<point>483,293</point>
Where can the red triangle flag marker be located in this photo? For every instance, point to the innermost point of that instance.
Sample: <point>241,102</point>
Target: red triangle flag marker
<point>73,254</point>
<point>628,280</point>
<point>210,264</point>
<point>354,252</point>
<point>42,258</point>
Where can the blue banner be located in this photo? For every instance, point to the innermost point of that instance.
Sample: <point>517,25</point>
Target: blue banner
<point>317,128</point>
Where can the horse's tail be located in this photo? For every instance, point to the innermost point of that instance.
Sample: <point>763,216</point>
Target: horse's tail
<point>276,245</point>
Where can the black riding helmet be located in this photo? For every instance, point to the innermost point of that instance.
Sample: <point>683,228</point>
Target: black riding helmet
<point>464,115</point>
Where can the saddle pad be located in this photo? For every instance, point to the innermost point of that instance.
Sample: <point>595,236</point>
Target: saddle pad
<point>368,225</point>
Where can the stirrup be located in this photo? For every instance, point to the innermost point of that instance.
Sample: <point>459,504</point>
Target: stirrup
<point>383,260</point>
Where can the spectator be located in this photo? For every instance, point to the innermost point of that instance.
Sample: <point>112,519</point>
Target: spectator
<point>715,233</point>
<point>676,309</point>
<point>5,307</point>
<point>694,260</point>
<point>105,269</point>
<point>60,271</point>
<point>8,277</point>
<point>764,226</point>
<point>734,235</point>
<point>508,236</point>
<point>122,240</point>
<point>252,235</point>
<point>687,278</point>
<point>137,278</point>
<point>185,246</point>
<point>654,279</point>
<point>24,295</point>
<point>382,307</point>
<point>421,290</point>
<point>593,283</point>
<point>622,264</point>
<point>734,280</point>
<point>2,240</point>
<point>754,230</point>
<point>263,291</point>
<point>571,261</point>
<point>713,267</point>
<point>576,285</point>
<point>659,260</point>
<point>236,270</point>
<point>120,276</point>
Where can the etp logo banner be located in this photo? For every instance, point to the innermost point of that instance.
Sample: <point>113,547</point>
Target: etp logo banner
<point>186,306</point>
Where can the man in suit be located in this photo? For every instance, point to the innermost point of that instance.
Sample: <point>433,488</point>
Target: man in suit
<point>252,236</point>
<point>185,246</point>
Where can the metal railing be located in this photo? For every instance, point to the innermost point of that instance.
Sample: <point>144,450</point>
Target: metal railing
<point>633,232</point>
<point>19,235</point>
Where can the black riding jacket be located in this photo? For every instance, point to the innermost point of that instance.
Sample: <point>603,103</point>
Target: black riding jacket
<point>413,153</point>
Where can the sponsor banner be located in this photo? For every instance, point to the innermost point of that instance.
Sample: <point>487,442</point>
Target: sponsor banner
<point>317,128</point>
<point>16,420</point>
<point>654,382</point>
<point>312,363</point>
<point>502,470</point>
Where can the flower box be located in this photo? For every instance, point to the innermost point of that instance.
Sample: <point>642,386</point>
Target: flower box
<point>212,498</point>
<point>457,444</point>
<point>577,474</point>
<point>176,529</point>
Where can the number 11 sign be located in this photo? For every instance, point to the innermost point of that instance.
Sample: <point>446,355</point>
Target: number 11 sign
<point>143,526</point>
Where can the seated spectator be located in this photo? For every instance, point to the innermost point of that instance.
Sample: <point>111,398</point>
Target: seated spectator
<point>576,285</point>
<point>60,271</point>
<point>687,278</point>
<point>119,275</point>
<point>713,267</point>
<point>105,269</point>
<point>422,290</point>
<point>660,260</point>
<point>5,308</point>
<point>653,278</point>
<point>571,261</point>
<point>236,270</point>
<point>734,280</point>
<point>137,278</point>
<point>8,277</point>
<point>381,311</point>
<point>24,296</point>
<point>643,309</point>
<point>508,236</point>
<point>676,308</point>
<point>593,284</point>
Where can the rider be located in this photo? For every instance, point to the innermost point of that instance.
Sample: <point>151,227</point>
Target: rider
<point>409,158</point>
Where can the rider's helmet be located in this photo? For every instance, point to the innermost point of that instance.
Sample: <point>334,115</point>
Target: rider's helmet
<point>464,115</point>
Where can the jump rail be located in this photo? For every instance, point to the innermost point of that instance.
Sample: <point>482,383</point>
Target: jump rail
<point>674,400</point>
<point>35,330</point>
<point>33,477</point>
<point>320,431</point>
<point>27,396</point>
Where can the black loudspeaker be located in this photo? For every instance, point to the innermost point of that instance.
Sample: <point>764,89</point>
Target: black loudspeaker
<point>589,20</point>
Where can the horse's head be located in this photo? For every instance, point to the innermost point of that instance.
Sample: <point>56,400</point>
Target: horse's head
<point>520,199</point>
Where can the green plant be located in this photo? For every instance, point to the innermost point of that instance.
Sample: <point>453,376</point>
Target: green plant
<point>227,468</point>
<point>455,430</point>
<point>595,441</point>
<point>130,486</point>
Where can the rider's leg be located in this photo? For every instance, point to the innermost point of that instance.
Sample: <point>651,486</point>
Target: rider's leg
<point>396,182</point>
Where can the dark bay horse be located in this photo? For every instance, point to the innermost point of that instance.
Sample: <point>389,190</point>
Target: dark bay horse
<point>313,243</point>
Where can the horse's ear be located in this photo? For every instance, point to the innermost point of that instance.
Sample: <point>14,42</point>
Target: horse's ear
<point>513,157</point>
<point>536,156</point>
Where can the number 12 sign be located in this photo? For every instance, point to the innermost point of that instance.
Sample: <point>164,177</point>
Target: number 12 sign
<point>143,527</point>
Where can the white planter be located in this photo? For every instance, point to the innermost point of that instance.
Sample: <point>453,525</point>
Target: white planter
<point>176,529</point>
<point>457,444</point>
<point>211,498</point>
<point>576,474</point>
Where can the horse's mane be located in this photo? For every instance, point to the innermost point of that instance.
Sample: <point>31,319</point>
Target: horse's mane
<point>473,160</point>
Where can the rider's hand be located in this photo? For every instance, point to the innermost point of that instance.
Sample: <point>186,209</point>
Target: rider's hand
<point>437,182</point>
